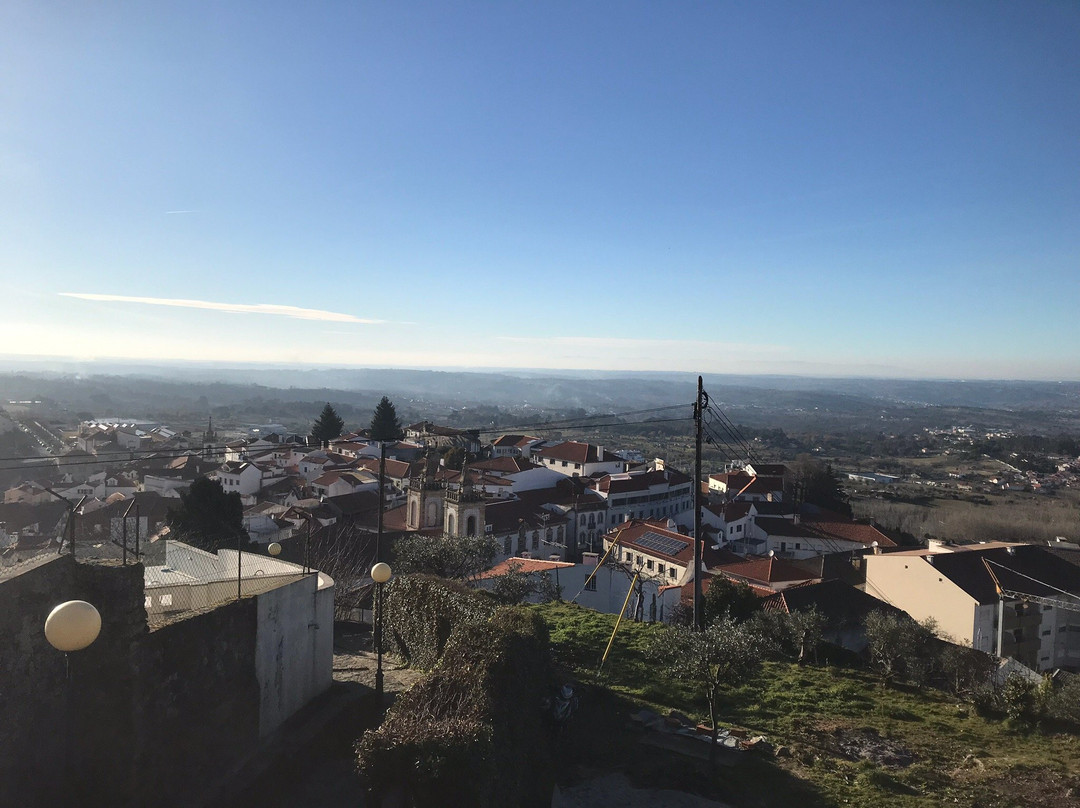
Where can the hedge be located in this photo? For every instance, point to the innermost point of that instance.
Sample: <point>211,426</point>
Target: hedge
<point>422,611</point>
<point>472,732</point>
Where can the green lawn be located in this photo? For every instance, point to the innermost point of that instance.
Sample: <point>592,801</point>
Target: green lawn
<point>959,758</point>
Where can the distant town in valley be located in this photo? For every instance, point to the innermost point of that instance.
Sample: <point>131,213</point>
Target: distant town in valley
<point>912,535</point>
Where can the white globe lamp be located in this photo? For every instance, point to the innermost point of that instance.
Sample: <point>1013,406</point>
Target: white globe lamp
<point>72,626</point>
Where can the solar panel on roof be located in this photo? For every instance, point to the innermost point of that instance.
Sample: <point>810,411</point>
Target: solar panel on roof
<point>661,544</point>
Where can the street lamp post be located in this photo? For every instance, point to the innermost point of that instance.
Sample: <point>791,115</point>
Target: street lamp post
<point>380,574</point>
<point>71,626</point>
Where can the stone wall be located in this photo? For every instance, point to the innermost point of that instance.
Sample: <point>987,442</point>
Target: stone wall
<point>54,727</point>
<point>145,718</point>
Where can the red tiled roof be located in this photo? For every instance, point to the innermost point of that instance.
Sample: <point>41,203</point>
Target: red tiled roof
<point>859,532</point>
<point>505,465</point>
<point>766,570</point>
<point>394,519</point>
<point>574,452</point>
<point>633,535</point>
<point>525,565</point>
<point>398,469</point>
<point>640,481</point>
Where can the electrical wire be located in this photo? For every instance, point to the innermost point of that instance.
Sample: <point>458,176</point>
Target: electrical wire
<point>220,449</point>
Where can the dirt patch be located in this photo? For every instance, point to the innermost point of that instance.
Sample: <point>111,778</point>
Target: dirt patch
<point>1037,788</point>
<point>863,743</point>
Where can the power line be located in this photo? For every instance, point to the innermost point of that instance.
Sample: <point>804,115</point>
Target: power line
<point>733,432</point>
<point>719,442</point>
<point>220,449</point>
<point>730,425</point>
<point>556,424</point>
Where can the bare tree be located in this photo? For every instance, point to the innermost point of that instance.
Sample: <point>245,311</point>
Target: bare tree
<point>346,553</point>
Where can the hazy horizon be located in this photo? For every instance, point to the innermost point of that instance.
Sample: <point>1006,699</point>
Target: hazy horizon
<point>11,363</point>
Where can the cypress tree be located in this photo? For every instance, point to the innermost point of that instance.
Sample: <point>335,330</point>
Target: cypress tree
<point>328,425</point>
<point>384,422</point>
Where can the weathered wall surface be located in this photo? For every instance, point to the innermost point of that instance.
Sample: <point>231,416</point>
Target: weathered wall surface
<point>196,702</point>
<point>46,739</point>
<point>294,653</point>
<point>152,715</point>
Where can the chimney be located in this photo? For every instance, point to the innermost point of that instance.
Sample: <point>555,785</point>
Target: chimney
<point>600,454</point>
<point>589,560</point>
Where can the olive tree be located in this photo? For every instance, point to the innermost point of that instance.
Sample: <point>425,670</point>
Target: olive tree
<point>725,654</point>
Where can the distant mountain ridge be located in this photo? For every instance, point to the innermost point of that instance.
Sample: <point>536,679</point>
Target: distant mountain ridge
<point>594,391</point>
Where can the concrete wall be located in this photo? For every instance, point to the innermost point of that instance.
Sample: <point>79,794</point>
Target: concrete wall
<point>913,584</point>
<point>294,648</point>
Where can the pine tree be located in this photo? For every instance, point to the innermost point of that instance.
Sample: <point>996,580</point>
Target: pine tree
<point>328,425</point>
<point>207,517</point>
<point>384,422</point>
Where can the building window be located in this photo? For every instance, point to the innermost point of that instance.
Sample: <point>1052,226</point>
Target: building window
<point>1046,633</point>
<point>648,564</point>
<point>590,585</point>
<point>165,600</point>
<point>671,572</point>
<point>798,546</point>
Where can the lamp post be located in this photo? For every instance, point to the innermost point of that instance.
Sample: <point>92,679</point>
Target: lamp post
<point>71,626</point>
<point>380,574</point>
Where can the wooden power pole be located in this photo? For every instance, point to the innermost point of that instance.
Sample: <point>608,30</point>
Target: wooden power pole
<point>699,412</point>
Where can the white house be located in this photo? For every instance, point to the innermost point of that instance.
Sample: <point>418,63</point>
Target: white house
<point>660,494</point>
<point>241,477</point>
<point>579,459</point>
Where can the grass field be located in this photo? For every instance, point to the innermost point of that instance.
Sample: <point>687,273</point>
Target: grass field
<point>815,716</point>
<point>995,517</point>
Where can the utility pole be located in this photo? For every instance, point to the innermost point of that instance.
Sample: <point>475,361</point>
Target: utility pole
<point>699,412</point>
<point>382,479</point>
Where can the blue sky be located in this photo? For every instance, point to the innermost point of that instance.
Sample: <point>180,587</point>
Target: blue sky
<point>849,188</point>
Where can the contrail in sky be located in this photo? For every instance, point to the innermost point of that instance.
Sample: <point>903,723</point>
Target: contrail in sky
<point>232,308</point>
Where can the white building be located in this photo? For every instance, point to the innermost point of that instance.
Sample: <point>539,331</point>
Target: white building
<point>579,459</point>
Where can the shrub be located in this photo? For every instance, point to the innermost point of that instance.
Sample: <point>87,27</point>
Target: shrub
<point>472,732</point>
<point>422,612</point>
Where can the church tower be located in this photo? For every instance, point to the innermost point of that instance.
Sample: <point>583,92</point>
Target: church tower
<point>424,505</point>
<point>465,508</point>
